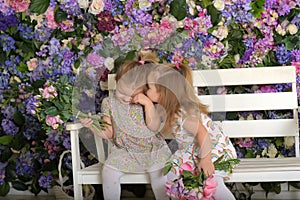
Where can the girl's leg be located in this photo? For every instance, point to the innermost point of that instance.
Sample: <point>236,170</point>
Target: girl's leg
<point>158,181</point>
<point>222,192</point>
<point>111,183</point>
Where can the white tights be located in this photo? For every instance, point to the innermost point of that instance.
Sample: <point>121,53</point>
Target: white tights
<point>112,187</point>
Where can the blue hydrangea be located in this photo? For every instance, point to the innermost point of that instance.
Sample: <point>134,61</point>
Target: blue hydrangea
<point>46,180</point>
<point>25,164</point>
<point>7,43</point>
<point>9,127</point>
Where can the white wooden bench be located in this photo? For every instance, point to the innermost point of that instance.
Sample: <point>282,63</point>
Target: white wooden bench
<point>249,170</point>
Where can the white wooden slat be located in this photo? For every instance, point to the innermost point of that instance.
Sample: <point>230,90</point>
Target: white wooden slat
<point>265,176</point>
<point>244,76</point>
<point>250,102</point>
<point>260,128</point>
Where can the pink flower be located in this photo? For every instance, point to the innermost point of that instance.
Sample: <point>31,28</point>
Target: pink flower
<point>209,188</point>
<point>185,166</point>
<point>53,121</point>
<point>49,92</point>
<point>19,5</point>
<point>95,60</point>
<point>51,23</point>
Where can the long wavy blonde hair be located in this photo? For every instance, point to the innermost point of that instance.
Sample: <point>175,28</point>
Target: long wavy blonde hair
<point>177,95</point>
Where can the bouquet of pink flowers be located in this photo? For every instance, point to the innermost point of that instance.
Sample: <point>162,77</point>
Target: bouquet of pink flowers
<point>193,184</point>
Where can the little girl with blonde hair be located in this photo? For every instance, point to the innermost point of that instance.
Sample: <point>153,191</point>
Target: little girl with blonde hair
<point>198,138</point>
<point>136,149</point>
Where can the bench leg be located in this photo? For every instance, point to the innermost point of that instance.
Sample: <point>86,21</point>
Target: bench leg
<point>77,191</point>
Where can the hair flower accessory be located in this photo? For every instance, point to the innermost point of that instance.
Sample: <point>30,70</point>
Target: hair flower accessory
<point>142,62</point>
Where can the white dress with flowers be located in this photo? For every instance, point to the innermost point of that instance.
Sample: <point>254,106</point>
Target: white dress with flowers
<point>187,148</point>
<point>135,147</point>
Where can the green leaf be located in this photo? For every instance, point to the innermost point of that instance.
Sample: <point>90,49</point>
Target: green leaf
<point>22,67</point>
<point>60,15</point>
<point>167,168</point>
<point>18,118</point>
<point>18,185</point>
<point>64,79</point>
<point>39,6</point>
<point>65,98</point>
<point>215,15</point>
<point>257,8</point>
<point>4,189</point>
<point>6,139</point>
<point>178,9</point>
<point>59,105</point>
<point>52,111</point>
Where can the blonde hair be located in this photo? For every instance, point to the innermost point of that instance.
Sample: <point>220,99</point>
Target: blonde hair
<point>176,92</point>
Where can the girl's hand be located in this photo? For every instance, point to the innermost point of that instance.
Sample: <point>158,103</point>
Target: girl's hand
<point>86,122</point>
<point>207,165</point>
<point>142,99</point>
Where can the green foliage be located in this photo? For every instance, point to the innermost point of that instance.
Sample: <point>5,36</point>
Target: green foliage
<point>257,8</point>
<point>39,6</point>
<point>178,9</point>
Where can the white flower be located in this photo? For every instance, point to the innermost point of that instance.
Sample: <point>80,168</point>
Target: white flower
<point>192,6</point>
<point>272,151</point>
<point>219,4</point>
<point>109,63</point>
<point>144,5</point>
<point>280,30</point>
<point>237,58</point>
<point>96,7</point>
<point>83,4</point>
<point>264,152</point>
<point>221,32</point>
<point>289,142</point>
<point>292,29</point>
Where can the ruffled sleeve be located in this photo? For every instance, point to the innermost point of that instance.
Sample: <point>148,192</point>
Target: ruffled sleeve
<point>105,107</point>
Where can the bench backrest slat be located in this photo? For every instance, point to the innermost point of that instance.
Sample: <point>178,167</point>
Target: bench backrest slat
<point>244,76</point>
<point>250,102</point>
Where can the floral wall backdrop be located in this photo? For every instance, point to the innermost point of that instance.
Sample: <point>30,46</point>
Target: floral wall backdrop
<point>45,43</point>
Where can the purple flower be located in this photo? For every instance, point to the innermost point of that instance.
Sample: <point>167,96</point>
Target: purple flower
<point>2,172</point>
<point>25,31</point>
<point>283,55</point>
<point>7,21</point>
<point>9,127</point>
<point>4,81</point>
<point>7,43</point>
<point>25,164</point>
<point>46,180</point>
<point>30,104</point>
<point>8,111</point>
<point>95,60</point>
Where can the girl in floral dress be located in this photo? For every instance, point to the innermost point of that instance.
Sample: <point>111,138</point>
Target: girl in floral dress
<point>136,148</point>
<point>200,141</point>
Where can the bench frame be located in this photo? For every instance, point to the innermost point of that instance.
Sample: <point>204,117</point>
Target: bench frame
<point>249,170</point>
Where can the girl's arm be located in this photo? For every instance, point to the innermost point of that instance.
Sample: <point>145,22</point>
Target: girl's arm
<point>194,125</point>
<point>153,118</point>
<point>107,133</point>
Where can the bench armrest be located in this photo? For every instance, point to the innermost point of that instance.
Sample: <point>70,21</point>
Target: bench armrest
<point>74,129</point>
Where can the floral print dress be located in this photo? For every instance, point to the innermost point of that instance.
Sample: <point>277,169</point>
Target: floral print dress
<point>187,148</point>
<point>135,147</point>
